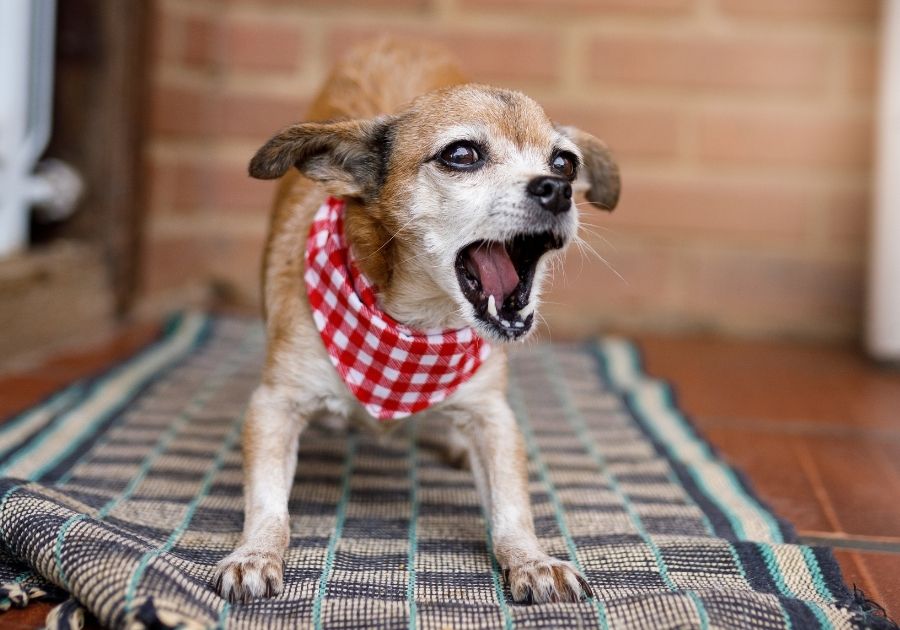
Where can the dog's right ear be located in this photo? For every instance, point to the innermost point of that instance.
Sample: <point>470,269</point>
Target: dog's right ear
<point>350,158</point>
<point>600,170</point>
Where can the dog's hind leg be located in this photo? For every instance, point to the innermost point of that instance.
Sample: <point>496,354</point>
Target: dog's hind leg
<point>271,433</point>
<point>497,457</point>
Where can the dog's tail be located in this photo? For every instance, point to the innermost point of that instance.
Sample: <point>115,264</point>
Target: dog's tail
<point>381,76</point>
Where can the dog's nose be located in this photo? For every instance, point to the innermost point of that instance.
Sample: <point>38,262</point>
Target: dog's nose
<point>553,193</point>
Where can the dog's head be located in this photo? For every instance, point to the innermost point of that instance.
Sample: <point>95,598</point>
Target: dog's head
<point>474,184</point>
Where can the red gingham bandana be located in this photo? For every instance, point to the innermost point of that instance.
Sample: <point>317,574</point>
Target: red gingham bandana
<point>393,370</point>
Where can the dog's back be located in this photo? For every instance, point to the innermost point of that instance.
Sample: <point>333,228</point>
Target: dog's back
<point>380,77</point>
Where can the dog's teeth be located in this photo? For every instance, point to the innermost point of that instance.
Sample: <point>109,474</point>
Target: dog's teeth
<point>492,306</point>
<point>505,323</point>
<point>519,324</point>
<point>526,310</point>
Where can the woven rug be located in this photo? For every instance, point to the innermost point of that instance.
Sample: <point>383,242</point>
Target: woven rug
<point>125,490</point>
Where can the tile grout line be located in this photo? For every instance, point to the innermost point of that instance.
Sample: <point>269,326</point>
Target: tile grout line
<point>851,542</point>
<point>811,471</point>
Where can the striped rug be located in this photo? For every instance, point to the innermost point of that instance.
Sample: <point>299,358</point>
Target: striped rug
<point>124,490</point>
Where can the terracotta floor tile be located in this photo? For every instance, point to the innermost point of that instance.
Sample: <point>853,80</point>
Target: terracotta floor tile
<point>741,383</point>
<point>861,478</point>
<point>773,464</point>
<point>32,616</point>
<point>20,391</point>
<point>84,361</point>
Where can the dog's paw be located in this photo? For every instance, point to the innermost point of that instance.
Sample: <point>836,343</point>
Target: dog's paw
<point>248,573</point>
<point>546,579</point>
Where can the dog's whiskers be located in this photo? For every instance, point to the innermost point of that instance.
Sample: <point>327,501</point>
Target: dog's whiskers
<point>582,243</point>
<point>602,238</point>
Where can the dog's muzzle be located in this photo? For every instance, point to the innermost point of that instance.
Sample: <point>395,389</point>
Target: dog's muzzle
<point>497,277</point>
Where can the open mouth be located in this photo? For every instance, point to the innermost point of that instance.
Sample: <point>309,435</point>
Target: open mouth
<point>497,277</point>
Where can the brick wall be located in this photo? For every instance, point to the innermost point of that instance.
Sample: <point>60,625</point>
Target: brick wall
<point>742,128</point>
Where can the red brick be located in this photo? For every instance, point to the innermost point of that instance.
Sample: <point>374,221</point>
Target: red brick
<point>259,117</point>
<point>195,112</point>
<point>633,284</point>
<point>628,130</point>
<point>178,111</point>
<point>343,5</point>
<point>846,217</point>
<point>774,140</point>
<point>202,45</point>
<point>773,290</point>
<point>228,260</point>
<point>231,189</point>
<point>838,10</point>
<point>158,181</point>
<point>167,35</point>
<point>208,42</point>
<point>498,55</point>
<point>170,262</point>
<point>570,8</point>
<point>861,69</point>
<point>692,61</point>
<point>262,46</point>
<point>184,186</point>
<point>703,207</point>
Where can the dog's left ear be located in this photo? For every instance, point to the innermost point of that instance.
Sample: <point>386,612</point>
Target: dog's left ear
<point>349,157</point>
<point>599,172</point>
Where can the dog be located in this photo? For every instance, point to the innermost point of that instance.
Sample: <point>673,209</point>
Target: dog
<point>412,230</point>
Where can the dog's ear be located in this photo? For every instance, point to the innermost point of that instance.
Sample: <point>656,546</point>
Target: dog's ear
<point>599,173</point>
<point>350,158</point>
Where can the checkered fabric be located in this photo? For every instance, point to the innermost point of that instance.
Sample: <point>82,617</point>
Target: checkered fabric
<point>393,370</point>
<point>124,491</point>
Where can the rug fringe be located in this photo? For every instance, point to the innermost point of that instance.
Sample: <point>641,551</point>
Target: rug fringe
<point>148,615</point>
<point>18,595</point>
<point>68,615</point>
<point>873,614</point>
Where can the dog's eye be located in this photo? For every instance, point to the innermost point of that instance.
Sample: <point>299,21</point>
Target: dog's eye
<point>565,164</point>
<point>461,155</point>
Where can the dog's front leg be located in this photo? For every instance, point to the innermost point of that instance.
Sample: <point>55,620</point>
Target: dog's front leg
<point>271,434</point>
<point>498,461</point>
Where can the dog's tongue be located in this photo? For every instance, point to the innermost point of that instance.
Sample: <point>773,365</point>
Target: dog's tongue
<point>495,270</point>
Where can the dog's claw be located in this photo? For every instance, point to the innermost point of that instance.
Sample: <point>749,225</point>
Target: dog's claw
<point>529,596</point>
<point>585,587</point>
<point>246,574</point>
<point>546,580</point>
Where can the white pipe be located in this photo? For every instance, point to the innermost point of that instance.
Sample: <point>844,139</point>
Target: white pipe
<point>15,40</point>
<point>41,51</point>
<point>883,326</point>
<point>27,34</point>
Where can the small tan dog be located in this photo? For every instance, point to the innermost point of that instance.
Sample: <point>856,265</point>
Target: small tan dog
<point>455,196</point>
